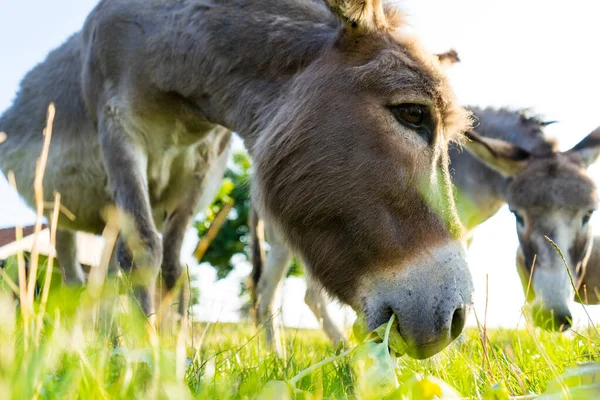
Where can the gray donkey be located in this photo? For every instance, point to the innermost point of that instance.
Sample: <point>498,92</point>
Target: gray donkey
<point>347,118</point>
<point>509,161</point>
<point>552,198</point>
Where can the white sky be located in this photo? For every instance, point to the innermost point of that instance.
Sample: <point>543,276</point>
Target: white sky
<point>520,53</point>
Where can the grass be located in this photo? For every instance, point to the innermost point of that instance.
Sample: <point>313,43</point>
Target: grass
<point>74,356</point>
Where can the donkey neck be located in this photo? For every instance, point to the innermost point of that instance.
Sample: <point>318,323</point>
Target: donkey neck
<point>235,60</point>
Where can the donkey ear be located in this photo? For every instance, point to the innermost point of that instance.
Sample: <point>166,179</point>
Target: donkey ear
<point>587,151</point>
<point>448,58</point>
<point>363,15</point>
<point>501,156</point>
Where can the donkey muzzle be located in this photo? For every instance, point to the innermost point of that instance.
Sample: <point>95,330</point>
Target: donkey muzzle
<point>431,297</point>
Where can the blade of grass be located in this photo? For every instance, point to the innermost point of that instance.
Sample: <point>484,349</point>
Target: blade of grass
<point>26,308</point>
<point>181,356</point>
<point>530,277</point>
<point>110,234</point>
<point>313,367</point>
<point>49,268</point>
<point>485,358</point>
<point>64,210</point>
<point>38,189</point>
<point>13,286</point>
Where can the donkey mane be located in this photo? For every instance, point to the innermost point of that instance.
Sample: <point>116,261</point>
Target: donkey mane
<point>259,44</point>
<point>276,37</point>
<point>519,127</point>
<point>272,36</point>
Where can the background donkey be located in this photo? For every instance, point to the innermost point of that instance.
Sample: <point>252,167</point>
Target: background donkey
<point>510,160</point>
<point>347,119</point>
<point>551,196</point>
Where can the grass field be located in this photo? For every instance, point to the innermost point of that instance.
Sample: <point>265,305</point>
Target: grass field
<point>62,343</point>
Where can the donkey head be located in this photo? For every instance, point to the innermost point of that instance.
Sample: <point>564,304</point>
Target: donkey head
<point>353,170</point>
<point>552,198</point>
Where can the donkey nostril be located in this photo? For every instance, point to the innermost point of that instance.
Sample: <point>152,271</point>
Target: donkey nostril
<point>458,322</point>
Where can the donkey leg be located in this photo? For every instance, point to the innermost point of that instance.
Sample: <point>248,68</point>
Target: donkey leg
<point>173,236</point>
<point>66,253</point>
<point>278,263</point>
<point>316,301</point>
<point>139,249</point>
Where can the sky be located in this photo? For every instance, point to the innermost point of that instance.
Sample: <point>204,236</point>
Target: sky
<point>541,54</point>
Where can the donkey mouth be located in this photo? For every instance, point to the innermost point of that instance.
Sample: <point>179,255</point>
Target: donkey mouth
<point>427,342</point>
<point>421,338</point>
<point>430,296</point>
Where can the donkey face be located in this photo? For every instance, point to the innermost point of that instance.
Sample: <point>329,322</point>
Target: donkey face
<point>552,199</point>
<point>353,170</point>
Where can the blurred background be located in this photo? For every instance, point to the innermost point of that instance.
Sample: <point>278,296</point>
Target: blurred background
<point>539,54</point>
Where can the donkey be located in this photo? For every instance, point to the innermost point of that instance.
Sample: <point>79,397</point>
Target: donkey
<point>510,160</point>
<point>552,198</point>
<point>347,118</point>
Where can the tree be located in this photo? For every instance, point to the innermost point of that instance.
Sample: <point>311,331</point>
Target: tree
<point>233,237</point>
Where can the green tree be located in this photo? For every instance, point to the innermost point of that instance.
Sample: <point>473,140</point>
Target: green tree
<point>233,238</point>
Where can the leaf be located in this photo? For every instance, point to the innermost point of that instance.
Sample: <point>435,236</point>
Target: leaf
<point>360,329</point>
<point>419,387</point>
<point>276,390</point>
<point>303,395</point>
<point>497,392</point>
<point>580,382</point>
<point>395,341</point>
<point>375,370</point>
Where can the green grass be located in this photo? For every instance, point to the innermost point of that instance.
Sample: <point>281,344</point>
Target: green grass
<point>68,351</point>
<point>98,346</point>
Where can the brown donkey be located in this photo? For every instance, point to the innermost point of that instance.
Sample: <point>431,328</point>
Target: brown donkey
<point>347,119</point>
<point>521,167</point>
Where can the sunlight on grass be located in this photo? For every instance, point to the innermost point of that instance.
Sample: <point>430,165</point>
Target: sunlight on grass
<point>78,355</point>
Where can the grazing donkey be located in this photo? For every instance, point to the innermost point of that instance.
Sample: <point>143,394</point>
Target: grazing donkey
<point>347,119</point>
<point>510,160</point>
<point>551,196</point>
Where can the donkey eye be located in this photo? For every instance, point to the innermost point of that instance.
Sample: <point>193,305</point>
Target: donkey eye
<point>411,113</point>
<point>519,218</point>
<point>416,117</point>
<point>587,217</point>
